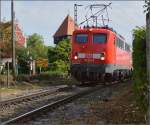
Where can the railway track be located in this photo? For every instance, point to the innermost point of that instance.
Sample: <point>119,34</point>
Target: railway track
<point>50,106</point>
<point>29,97</point>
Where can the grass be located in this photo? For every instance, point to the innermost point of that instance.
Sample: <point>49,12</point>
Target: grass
<point>19,89</point>
<point>46,79</point>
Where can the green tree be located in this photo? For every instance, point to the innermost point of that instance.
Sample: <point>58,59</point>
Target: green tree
<point>58,56</point>
<point>147,6</point>
<point>52,55</point>
<point>22,58</point>
<point>139,66</point>
<point>63,50</point>
<point>36,47</point>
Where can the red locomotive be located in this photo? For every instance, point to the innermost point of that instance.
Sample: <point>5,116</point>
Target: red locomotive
<point>99,54</point>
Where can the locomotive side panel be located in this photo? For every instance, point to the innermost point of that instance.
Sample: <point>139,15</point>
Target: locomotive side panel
<point>123,55</point>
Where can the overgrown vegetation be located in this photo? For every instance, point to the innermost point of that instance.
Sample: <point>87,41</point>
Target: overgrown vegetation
<point>58,56</point>
<point>147,6</point>
<point>35,50</point>
<point>36,47</point>
<point>22,58</point>
<point>50,75</point>
<point>139,66</point>
<point>5,39</point>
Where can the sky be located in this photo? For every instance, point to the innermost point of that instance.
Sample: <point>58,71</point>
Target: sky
<point>44,17</point>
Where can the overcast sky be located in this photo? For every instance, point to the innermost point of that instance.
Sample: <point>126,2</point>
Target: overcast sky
<point>44,17</point>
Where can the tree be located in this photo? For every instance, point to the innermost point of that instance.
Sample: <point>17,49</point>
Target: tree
<point>5,39</point>
<point>58,56</point>
<point>147,6</point>
<point>36,47</point>
<point>139,66</point>
<point>23,59</point>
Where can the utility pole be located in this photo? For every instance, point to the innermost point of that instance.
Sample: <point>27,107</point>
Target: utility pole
<point>0,47</point>
<point>148,61</point>
<point>13,41</point>
<point>0,34</point>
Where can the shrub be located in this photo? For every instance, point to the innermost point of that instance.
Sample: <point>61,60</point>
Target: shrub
<point>50,75</point>
<point>139,66</point>
<point>58,56</point>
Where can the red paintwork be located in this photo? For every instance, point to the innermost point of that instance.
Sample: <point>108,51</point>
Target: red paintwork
<point>113,54</point>
<point>20,38</point>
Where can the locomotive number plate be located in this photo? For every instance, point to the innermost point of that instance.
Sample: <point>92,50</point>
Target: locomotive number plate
<point>89,56</point>
<point>83,55</point>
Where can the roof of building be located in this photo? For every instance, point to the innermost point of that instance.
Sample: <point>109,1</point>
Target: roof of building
<point>66,28</point>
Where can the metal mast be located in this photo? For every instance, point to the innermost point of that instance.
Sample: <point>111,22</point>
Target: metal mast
<point>76,14</point>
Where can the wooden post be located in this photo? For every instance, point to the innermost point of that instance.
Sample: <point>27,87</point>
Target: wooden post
<point>13,41</point>
<point>0,50</point>
<point>40,70</point>
<point>7,74</point>
<point>34,68</point>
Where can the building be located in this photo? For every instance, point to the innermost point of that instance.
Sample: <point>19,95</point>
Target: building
<point>20,37</point>
<point>5,42</point>
<point>65,30</point>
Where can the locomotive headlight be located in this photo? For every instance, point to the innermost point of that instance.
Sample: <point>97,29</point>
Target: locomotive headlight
<point>102,56</point>
<point>75,57</point>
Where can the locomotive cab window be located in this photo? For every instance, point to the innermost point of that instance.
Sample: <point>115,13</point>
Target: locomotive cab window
<point>99,38</point>
<point>81,38</point>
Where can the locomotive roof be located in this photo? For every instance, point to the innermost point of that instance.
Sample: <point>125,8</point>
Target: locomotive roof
<point>104,27</point>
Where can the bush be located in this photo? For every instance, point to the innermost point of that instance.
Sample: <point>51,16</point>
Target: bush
<point>23,77</point>
<point>58,56</point>
<point>50,75</point>
<point>60,66</point>
<point>139,66</point>
<point>3,80</point>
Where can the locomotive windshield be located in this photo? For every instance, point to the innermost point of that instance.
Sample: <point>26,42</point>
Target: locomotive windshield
<point>81,38</point>
<point>99,38</point>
